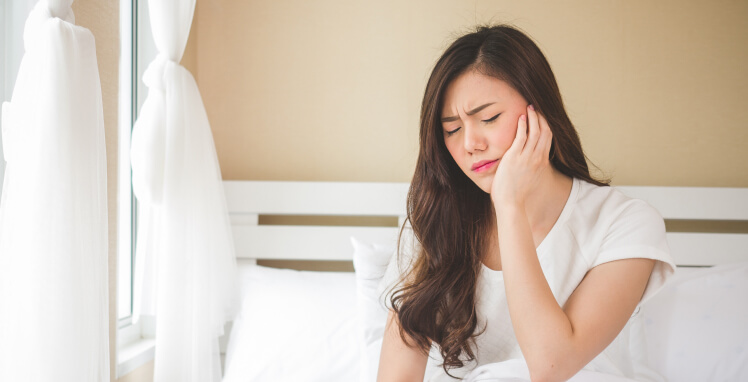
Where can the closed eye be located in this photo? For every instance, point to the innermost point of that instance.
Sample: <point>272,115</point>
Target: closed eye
<point>453,131</point>
<point>492,119</point>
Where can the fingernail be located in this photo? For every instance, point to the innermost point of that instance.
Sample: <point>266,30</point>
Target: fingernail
<point>522,117</point>
<point>532,108</point>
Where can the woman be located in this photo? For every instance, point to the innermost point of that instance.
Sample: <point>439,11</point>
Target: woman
<point>518,252</point>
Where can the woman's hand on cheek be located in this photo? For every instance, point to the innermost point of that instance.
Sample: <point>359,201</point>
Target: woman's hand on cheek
<point>523,165</point>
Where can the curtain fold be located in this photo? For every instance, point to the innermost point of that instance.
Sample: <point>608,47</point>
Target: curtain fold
<point>185,266</point>
<point>53,211</point>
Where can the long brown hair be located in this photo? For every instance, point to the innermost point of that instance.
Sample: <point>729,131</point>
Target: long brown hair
<point>450,215</point>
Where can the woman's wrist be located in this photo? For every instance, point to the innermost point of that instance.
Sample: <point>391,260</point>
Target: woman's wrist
<point>509,210</point>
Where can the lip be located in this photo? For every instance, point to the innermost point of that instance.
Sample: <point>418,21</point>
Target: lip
<point>484,165</point>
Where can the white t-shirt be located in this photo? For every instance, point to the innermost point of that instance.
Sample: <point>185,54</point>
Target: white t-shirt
<point>597,225</point>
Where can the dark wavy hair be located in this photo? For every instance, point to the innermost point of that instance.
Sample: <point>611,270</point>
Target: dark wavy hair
<point>451,217</point>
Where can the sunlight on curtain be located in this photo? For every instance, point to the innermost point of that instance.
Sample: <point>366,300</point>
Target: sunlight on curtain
<point>53,212</point>
<point>185,267</point>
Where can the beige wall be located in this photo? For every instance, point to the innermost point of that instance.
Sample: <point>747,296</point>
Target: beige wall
<point>331,90</point>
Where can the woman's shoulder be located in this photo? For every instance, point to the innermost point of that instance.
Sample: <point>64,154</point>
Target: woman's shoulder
<point>606,218</point>
<point>608,203</point>
<point>618,227</point>
<point>609,224</point>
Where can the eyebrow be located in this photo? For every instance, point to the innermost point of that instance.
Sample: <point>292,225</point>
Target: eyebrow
<point>471,112</point>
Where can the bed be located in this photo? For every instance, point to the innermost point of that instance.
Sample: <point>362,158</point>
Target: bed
<point>324,325</point>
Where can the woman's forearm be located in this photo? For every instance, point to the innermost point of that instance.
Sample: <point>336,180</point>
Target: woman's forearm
<point>398,361</point>
<point>543,330</point>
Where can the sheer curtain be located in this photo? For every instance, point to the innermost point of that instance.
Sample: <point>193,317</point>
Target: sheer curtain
<point>53,212</point>
<point>185,267</point>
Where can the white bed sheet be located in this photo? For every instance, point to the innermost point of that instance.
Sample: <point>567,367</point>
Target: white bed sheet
<point>302,326</point>
<point>697,327</point>
<point>294,326</point>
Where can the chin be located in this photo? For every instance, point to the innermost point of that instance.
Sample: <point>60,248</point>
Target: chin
<point>485,186</point>
<point>482,182</point>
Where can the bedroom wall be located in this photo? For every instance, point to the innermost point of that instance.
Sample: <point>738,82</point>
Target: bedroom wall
<point>331,90</point>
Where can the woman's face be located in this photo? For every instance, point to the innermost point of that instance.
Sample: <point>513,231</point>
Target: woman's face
<point>479,122</point>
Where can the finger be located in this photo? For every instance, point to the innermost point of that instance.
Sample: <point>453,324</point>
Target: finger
<point>534,129</point>
<point>546,137</point>
<point>521,137</point>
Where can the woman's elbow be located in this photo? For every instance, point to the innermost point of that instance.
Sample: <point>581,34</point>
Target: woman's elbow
<point>551,371</point>
<point>544,376</point>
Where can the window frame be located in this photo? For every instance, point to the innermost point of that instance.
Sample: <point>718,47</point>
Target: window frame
<point>3,90</point>
<point>126,227</point>
<point>13,15</point>
<point>135,341</point>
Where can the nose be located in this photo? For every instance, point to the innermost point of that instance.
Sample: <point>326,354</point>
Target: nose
<point>474,139</point>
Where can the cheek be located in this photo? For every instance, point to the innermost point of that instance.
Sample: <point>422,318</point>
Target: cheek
<point>504,136</point>
<point>454,150</point>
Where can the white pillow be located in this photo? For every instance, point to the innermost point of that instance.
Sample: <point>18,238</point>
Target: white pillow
<point>370,263</point>
<point>697,326</point>
<point>294,326</point>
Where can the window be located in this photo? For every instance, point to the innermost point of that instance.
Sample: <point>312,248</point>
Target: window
<point>3,98</point>
<point>135,341</point>
<point>125,200</point>
<point>13,14</point>
<point>138,50</point>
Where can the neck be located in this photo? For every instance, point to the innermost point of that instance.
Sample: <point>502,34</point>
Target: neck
<point>546,202</point>
<point>543,208</point>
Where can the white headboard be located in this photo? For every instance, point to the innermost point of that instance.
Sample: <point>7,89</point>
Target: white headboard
<point>248,199</point>
<point>700,203</point>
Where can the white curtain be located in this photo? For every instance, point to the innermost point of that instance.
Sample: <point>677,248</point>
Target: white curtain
<point>185,267</point>
<point>53,212</point>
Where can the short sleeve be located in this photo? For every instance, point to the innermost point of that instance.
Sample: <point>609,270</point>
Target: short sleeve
<point>399,265</point>
<point>638,231</point>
